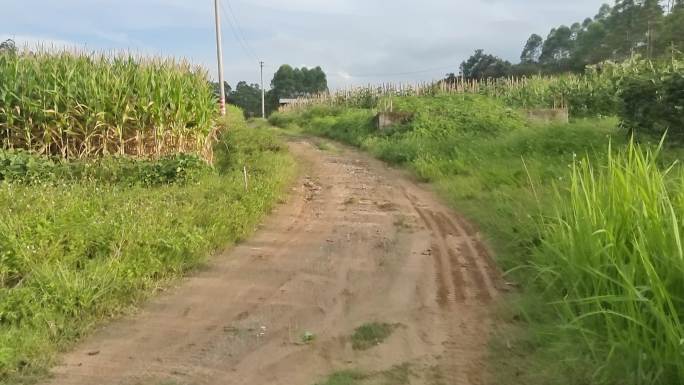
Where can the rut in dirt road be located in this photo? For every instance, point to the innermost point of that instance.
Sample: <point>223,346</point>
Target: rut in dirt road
<point>356,242</point>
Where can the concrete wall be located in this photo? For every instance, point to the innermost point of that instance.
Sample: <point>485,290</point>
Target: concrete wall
<point>387,119</point>
<point>548,115</point>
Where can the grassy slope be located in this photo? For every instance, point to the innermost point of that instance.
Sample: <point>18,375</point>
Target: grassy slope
<point>502,172</point>
<point>87,251</point>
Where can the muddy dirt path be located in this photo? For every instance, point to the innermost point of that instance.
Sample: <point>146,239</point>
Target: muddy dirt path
<point>356,242</point>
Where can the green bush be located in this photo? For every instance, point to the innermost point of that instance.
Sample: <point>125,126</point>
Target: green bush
<point>280,119</point>
<point>653,102</point>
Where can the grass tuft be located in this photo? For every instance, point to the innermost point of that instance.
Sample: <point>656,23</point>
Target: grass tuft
<point>372,334</point>
<point>346,377</point>
<point>396,375</point>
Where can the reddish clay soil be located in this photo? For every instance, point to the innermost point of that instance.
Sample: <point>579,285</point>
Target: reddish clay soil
<point>355,242</point>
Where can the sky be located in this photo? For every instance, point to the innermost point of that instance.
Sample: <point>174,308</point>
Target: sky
<point>356,42</point>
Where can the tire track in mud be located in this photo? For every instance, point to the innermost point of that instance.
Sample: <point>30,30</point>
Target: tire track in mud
<point>457,253</point>
<point>442,286</point>
<point>470,278</point>
<point>482,268</point>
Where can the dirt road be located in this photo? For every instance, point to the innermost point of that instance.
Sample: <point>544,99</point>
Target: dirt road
<point>355,243</point>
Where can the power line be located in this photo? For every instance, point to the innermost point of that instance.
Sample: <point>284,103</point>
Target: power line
<point>236,34</point>
<point>234,27</point>
<point>239,28</point>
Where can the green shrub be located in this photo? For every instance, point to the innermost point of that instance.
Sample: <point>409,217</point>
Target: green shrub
<point>371,334</point>
<point>654,102</point>
<point>280,119</point>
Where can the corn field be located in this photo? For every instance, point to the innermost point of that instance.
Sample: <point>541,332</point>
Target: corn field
<point>77,105</point>
<point>596,92</point>
<point>581,94</point>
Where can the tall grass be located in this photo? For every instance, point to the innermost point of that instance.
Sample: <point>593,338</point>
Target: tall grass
<point>612,256</point>
<point>81,105</point>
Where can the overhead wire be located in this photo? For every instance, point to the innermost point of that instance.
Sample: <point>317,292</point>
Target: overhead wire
<point>234,27</point>
<point>238,33</point>
<point>239,28</point>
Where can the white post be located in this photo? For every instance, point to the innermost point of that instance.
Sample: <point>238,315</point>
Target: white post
<point>263,92</point>
<point>219,53</point>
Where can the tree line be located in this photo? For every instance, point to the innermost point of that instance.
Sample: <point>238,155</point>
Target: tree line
<point>650,28</point>
<point>287,82</point>
<point>8,46</point>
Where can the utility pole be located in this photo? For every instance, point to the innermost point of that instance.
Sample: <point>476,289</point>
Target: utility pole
<point>263,92</point>
<point>219,53</point>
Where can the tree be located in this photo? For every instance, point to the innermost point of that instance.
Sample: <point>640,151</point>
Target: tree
<point>226,88</point>
<point>284,83</point>
<point>291,82</point>
<point>315,81</point>
<point>558,47</point>
<point>603,13</point>
<point>630,27</point>
<point>248,97</point>
<point>451,78</point>
<point>8,46</point>
<point>481,65</point>
<point>590,47</point>
<point>532,50</point>
<point>671,34</point>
